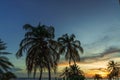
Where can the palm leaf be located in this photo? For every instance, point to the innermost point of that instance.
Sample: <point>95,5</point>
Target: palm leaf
<point>28,27</point>
<point>4,53</point>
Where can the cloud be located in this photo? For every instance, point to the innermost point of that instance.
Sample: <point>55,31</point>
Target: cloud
<point>110,50</point>
<point>98,42</point>
<point>99,69</point>
<point>105,55</point>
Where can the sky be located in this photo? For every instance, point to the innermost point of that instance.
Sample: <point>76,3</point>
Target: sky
<point>96,23</point>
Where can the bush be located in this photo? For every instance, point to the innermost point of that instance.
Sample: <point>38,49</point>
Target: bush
<point>76,77</point>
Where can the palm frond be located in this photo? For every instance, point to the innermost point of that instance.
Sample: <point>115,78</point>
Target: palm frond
<point>2,45</point>
<point>61,40</point>
<point>28,27</point>
<point>72,37</point>
<point>4,53</point>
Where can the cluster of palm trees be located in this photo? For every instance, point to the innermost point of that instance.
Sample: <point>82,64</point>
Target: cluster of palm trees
<point>43,52</point>
<point>5,64</point>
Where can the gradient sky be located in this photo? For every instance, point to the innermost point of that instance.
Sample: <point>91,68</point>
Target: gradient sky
<point>96,23</point>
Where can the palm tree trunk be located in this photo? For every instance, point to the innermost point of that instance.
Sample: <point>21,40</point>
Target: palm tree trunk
<point>71,56</point>
<point>74,61</point>
<point>70,61</point>
<point>34,74</point>
<point>49,71</point>
<point>40,74</point>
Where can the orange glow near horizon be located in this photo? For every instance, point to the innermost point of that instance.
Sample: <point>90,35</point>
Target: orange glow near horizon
<point>103,74</point>
<point>90,69</point>
<point>91,73</point>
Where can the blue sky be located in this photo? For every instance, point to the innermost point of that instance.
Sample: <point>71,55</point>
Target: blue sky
<point>96,23</point>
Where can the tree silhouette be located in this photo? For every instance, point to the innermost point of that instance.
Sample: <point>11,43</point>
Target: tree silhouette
<point>97,77</point>
<point>8,76</point>
<point>70,47</point>
<point>65,73</point>
<point>5,64</point>
<point>40,48</point>
<point>113,67</point>
<point>73,72</point>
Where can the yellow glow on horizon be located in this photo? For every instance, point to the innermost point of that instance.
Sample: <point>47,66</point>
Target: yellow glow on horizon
<point>103,74</point>
<point>90,69</point>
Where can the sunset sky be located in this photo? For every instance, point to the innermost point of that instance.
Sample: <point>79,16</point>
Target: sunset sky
<point>96,23</point>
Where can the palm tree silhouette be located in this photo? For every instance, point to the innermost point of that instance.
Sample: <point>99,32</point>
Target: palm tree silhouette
<point>40,47</point>
<point>73,72</point>
<point>113,67</point>
<point>5,64</point>
<point>65,73</point>
<point>70,47</point>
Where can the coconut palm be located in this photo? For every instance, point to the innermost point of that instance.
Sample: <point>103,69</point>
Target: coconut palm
<point>40,48</point>
<point>65,73</point>
<point>113,67</point>
<point>70,47</point>
<point>5,65</point>
<point>73,72</point>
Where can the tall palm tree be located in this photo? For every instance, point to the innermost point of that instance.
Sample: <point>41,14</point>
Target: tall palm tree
<point>5,64</point>
<point>113,67</point>
<point>40,48</point>
<point>70,47</point>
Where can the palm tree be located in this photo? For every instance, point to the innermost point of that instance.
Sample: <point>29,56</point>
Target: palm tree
<point>113,67</point>
<point>65,73</point>
<point>73,73</point>
<point>40,47</point>
<point>5,65</point>
<point>70,47</point>
<point>75,70</point>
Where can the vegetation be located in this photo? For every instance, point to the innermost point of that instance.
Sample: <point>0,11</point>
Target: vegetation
<point>8,76</point>
<point>97,77</point>
<point>114,69</point>
<point>5,64</point>
<point>70,47</point>
<point>40,48</point>
<point>73,73</point>
<point>42,52</point>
